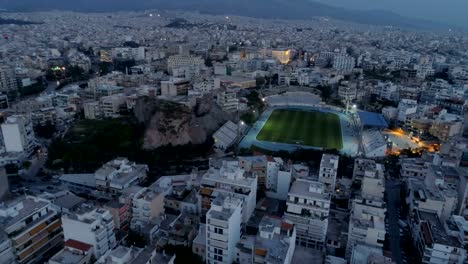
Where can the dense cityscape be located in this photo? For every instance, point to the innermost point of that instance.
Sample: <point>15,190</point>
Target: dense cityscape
<point>180,137</point>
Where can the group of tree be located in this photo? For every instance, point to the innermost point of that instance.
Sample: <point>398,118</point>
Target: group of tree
<point>91,143</point>
<point>72,73</point>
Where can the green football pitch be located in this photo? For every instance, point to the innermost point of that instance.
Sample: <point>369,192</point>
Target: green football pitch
<point>307,128</point>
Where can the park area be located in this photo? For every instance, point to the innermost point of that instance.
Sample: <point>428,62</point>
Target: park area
<point>301,127</point>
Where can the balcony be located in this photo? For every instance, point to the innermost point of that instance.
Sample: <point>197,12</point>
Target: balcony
<point>219,237</point>
<point>217,244</point>
<point>216,222</point>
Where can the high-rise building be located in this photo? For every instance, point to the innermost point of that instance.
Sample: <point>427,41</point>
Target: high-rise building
<point>223,229</point>
<point>328,171</point>
<point>308,207</point>
<point>29,228</point>
<point>230,178</point>
<point>367,221</point>
<point>8,81</point>
<point>90,225</point>
<point>344,63</point>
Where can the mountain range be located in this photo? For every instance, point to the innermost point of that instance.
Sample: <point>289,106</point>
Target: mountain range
<point>279,9</point>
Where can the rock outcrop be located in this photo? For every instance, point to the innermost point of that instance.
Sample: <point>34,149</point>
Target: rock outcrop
<point>172,123</point>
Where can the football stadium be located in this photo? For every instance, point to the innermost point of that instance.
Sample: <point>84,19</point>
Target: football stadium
<point>303,127</point>
<point>298,120</point>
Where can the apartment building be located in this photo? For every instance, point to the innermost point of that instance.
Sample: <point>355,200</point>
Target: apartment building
<point>432,241</point>
<point>229,178</point>
<point>228,101</point>
<point>328,172</point>
<point>274,243</point>
<point>30,227</point>
<point>223,229</point>
<point>308,208</point>
<point>118,174</point>
<point>91,225</point>
<point>367,220</point>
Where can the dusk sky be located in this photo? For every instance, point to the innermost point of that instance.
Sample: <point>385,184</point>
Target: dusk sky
<point>447,11</point>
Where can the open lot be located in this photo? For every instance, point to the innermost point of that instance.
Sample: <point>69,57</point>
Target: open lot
<point>301,127</point>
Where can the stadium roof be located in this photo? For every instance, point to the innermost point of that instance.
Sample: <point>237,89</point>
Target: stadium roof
<point>370,119</point>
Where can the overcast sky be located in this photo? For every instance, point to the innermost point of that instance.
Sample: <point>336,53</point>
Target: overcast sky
<point>449,11</point>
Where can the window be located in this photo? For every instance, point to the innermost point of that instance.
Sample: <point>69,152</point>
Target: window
<point>218,230</point>
<point>218,251</point>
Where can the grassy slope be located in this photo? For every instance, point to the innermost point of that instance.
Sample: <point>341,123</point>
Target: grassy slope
<point>303,128</point>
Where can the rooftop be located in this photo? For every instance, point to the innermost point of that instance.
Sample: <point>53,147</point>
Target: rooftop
<point>309,189</point>
<point>434,231</point>
<point>67,256</point>
<point>14,211</point>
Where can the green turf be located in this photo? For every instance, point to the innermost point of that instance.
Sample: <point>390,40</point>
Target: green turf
<point>307,128</point>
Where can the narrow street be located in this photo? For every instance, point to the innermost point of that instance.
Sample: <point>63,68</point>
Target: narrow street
<point>393,203</point>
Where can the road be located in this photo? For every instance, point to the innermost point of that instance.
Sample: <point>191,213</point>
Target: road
<point>393,203</point>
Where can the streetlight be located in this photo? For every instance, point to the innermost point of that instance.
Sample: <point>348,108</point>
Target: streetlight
<point>354,106</point>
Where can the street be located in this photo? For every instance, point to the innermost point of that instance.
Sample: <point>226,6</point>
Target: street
<point>393,229</point>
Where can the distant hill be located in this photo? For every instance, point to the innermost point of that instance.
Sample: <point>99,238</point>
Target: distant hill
<point>281,9</point>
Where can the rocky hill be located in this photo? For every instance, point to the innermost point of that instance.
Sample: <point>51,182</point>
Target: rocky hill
<point>177,124</point>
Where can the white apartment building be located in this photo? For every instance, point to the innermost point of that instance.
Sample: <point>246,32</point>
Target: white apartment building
<point>432,241</point>
<point>90,225</point>
<point>344,63</point>
<point>228,101</point>
<point>223,229</point>
<point>8,81</point>
<point>206,86</point>
<point>230,178</point>
<point>146,205</point>
<point>274,243</point>
<point>178,61</point>
<point>447,126</point>
<point>367,221</point>
<point>278,178</point>
<point>111,105</point>
<point>406,108</point>
<point>118,174</point>
<point>361,166</point>
<point>18,135</point>
<point>308,207</point>
<point>328,171</point>
<point>29,228</point>
<point>429,198</point>
<point>387,90</point>
<point>369,254</point>
<point>174,87</point>
<point>347,92</point>
<point>92,110</point>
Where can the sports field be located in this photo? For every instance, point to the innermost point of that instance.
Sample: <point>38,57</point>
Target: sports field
<point>307,128</point>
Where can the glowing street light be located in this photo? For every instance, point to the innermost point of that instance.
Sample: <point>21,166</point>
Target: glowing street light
<point>354,106</point>
<point>150,15</point>
<point>242,123</point>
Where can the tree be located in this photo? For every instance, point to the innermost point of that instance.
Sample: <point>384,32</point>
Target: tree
<point>208,62</point>
<point>326,92</point>
<point>45,131</point>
